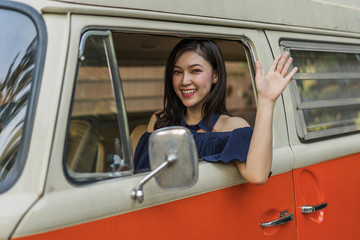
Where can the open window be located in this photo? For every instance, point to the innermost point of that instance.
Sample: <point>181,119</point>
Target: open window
<point>142,60</point>
<point>108,110</point>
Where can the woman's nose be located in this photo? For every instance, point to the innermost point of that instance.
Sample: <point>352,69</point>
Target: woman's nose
<point>186,79</point>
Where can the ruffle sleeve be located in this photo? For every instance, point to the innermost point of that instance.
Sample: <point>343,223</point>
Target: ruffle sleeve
<point>224,146</point>
<point>212,147</point>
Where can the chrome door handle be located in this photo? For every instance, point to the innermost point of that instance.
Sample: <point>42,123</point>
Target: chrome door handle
<point>310,209</point>
<point>285,217</point>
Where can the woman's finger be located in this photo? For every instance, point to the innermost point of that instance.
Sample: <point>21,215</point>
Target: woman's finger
<point>282,62</point>
<point>291,74</point>
<point>287,66</point>
<point>275,63</point>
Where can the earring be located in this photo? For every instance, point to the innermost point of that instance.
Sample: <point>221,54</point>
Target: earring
<point>215,80</point>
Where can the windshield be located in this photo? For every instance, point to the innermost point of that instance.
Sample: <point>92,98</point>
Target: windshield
<point>18,47</point>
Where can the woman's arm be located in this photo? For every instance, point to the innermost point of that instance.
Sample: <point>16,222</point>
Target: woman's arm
<point>257,167</point>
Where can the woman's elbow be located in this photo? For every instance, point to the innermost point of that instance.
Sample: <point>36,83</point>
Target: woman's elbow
<point>257,180</point>
<point>254,176</point>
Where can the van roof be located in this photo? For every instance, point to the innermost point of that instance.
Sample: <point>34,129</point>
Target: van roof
<point>335,15</point>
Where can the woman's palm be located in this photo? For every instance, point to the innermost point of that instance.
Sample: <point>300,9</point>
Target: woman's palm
<point>273,83</point>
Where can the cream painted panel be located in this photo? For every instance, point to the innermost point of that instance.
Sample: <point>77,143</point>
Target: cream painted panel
<point>15,202</point>
<point>315,152</point>
<point>71,204</point>
<point>13,205</point>
<point>306,13</point>
<point>76,205</point>
<point>50,90</point>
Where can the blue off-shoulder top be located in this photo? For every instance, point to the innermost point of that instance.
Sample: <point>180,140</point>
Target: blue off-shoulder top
<point>211,146</point>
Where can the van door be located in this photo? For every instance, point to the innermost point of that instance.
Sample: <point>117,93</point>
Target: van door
<point>90,178</point>
<point>323,112</point>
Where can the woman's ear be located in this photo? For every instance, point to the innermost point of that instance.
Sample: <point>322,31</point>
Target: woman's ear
<point>215,77</point>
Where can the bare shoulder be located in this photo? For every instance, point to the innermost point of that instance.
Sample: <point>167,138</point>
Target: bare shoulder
<point>152,121</point>
<point>228,123</point>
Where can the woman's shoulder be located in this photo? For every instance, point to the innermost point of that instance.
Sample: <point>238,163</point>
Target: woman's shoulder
<point>228,123</point>
<point>152,121</point>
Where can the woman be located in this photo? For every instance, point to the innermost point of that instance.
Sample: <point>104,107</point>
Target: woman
<point>194,96</point>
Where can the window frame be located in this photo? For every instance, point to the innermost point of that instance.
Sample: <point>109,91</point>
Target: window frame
<point>250,56</point>
<point>40,27</point>
<point>300,106</point>
<point>119,102</point>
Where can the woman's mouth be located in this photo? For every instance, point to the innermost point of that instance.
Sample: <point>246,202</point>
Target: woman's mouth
<point>188,92</point>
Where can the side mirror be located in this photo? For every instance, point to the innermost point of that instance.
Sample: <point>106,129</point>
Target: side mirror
<point>173,160</point>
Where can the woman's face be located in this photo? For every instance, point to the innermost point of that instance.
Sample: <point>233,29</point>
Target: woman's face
<point>192,79</point>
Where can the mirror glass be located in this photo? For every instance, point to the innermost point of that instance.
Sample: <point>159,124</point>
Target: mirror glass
<point>174,142</point>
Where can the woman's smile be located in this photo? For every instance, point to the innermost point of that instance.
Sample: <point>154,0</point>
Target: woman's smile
<point>188,92</point>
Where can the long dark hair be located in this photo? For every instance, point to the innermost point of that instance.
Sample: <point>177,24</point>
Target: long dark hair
<point>215,101</point>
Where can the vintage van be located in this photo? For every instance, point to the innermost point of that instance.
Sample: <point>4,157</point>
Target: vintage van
<point>79,80</point>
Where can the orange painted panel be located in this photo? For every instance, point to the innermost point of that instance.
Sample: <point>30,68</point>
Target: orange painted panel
<point>230,213</point>
<point>336,182</point>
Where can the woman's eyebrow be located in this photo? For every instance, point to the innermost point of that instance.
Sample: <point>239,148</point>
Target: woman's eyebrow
<point>190,66</point>
<point>195,65</point>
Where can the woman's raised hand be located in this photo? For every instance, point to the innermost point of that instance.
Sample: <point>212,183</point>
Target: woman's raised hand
<point>276,79</point>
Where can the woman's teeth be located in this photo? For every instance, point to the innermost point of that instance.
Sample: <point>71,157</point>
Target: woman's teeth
<point>188,91</point>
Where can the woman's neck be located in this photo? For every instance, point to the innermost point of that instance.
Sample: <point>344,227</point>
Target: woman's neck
<point>193,117</point>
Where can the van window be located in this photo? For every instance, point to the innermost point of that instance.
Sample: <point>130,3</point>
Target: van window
<point>18,50</point>
<point>326,88</point>
<point>93,135</point>
<point>95,144</point>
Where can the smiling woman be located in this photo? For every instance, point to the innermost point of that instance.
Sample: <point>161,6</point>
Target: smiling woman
<point>194,97</point>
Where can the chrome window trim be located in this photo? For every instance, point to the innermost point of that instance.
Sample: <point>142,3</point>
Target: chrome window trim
<point>118,90</point>
<point>320,46</point>
<point>327,76</point>
<point>329,103</point>
<point>120,100</point>
<point>331,132</point>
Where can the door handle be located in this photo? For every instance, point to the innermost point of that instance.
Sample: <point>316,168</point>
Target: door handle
<point>310,209</point>
<point>285,217</point>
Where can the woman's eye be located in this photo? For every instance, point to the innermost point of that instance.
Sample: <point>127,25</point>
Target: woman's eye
<point>196,70</point>
<point>176,72</point>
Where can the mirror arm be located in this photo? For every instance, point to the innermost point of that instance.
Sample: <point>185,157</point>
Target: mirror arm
<point>138,193</point>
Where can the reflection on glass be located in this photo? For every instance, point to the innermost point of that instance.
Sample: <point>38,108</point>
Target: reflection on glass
<point>328,85</point>
<point>94,149</point>
<point>317,90</point>
<point>332,117</point>
<point>18,46</point>
<point>325,62</point>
